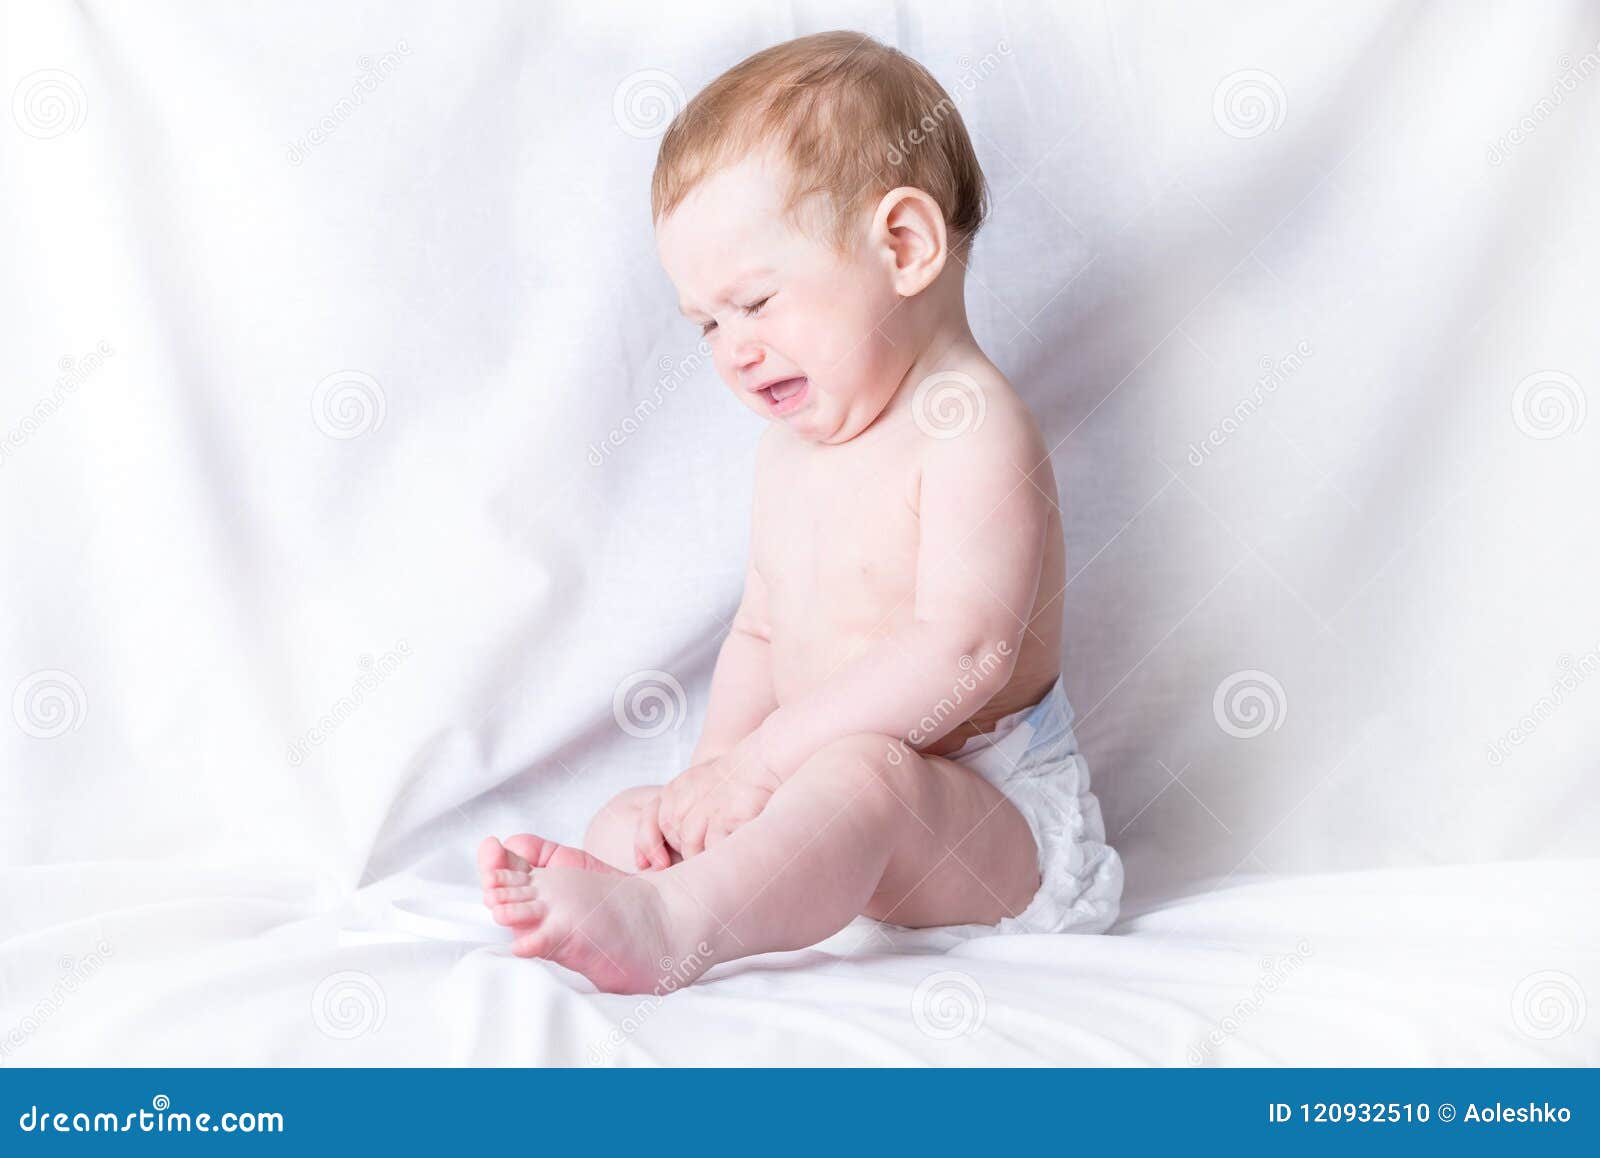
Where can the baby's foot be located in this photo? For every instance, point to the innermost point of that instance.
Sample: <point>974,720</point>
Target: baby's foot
<point>524,852</point>
<point>612,928</point>
<point>505,867</point>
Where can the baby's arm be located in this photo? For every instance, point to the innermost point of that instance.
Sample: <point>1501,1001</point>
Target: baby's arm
<point>982,540</point>
<point>741,697</point>
<point>741,684</point>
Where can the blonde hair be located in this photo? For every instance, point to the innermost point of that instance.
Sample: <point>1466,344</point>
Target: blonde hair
<point>855,119</point>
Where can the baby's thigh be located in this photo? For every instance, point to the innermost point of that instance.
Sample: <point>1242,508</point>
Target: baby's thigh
<point>966,855</point>
<point>610,835</point>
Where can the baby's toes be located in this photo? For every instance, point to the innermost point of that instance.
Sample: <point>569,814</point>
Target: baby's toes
<point>498,878</point>
<point>529,912</point>
<point>500,885</point>
<point>491,856</point>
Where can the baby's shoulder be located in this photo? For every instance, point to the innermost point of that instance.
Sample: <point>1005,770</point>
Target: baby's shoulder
<point>974,418</point>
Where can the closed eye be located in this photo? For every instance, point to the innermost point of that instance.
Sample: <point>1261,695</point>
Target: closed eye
<point>748,311</point>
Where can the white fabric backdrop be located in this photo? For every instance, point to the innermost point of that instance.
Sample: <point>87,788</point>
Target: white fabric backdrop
<point>307,396</point>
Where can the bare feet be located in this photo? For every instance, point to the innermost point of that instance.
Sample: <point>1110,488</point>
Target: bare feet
<point>526,851</point>
<point>568,907</point>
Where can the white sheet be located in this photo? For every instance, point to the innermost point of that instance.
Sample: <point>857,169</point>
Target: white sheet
<point>303,395</point>
<point>1471,965</point>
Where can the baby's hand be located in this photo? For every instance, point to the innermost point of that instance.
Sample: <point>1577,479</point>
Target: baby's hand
<point>703,805</point>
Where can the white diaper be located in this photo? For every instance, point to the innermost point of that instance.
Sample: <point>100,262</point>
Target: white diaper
<point>1032,757</point>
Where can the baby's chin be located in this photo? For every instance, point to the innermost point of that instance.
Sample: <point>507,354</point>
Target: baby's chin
<point>827,423</point>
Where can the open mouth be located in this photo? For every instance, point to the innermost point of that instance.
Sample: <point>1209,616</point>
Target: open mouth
<point>786,396</point>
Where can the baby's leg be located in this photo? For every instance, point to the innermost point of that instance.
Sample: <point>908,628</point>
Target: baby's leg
<point>921,841</point>
<point>610,835</point>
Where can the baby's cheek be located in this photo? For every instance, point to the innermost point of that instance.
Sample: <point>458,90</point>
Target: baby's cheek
<point>843,336</point>
<point>863,357</point>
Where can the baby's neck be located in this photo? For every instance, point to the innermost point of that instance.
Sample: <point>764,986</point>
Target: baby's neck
<point>942,337</point>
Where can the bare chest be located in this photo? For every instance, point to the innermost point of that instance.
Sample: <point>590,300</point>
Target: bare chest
<point>835,539</point>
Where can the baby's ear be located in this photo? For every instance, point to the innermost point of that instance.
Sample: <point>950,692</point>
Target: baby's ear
<point>908,231</point>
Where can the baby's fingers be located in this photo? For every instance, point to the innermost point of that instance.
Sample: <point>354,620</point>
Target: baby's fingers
<point>692,836</point>
<point>649,843</point>
<point>721,826</point>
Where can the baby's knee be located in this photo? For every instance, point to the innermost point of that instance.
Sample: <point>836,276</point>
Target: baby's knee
<point>630,800</point>
<point>865,766</point>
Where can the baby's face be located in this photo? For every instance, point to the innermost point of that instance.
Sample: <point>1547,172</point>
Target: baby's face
<point>799,331</point>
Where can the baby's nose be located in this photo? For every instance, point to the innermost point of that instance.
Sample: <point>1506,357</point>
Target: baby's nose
<point>748,356</point>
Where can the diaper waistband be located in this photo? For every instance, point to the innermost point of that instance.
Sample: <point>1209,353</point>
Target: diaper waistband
<point>1053,700</point>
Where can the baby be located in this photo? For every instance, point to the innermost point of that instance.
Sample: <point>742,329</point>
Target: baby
<point>887,733</point>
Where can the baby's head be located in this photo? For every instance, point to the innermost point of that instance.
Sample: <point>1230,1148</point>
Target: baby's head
<point>814,207</point>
